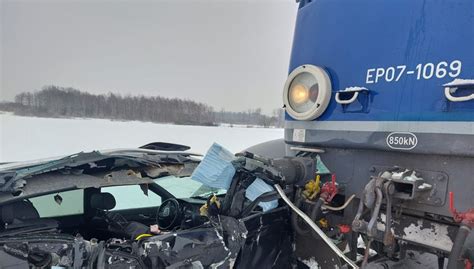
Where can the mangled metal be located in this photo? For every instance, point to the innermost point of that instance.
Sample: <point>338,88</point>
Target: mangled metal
<point>12,176</point>
<point>240,229</point>
<point>251,212</point>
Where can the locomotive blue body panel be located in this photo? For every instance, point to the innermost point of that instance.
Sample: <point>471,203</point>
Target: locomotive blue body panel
<point>401,99</point>
<point>402,51</point>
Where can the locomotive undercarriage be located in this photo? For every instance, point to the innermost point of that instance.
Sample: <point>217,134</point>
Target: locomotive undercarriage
<point>401,216</point>
<point>402,205</point>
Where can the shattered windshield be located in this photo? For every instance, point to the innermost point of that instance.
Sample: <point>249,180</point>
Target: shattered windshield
<point>185,187</point>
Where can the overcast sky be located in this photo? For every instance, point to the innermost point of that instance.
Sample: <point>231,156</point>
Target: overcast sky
<point>229,54</point>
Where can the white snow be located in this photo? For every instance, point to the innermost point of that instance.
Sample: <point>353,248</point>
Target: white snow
<point>437,235</point>
<point>311,263</point>
<point>424,186</point>
<point>459,82</point>
<point>29,138</point>
<point>354,89</point>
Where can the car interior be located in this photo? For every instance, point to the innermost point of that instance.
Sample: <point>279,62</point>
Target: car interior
<point>93,212</point>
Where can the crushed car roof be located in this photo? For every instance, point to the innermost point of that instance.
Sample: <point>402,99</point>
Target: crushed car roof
<point>92,169</point>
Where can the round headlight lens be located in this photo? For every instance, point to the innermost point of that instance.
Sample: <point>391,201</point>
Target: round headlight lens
<point>307,92</point>
<point>303,92</point>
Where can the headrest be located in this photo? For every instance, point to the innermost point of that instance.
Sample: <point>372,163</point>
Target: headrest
<point>18,212</point>
<point>104,201</point>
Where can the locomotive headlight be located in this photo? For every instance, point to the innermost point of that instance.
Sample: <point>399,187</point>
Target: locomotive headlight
<point>299,94</point>
<point>307,92</point>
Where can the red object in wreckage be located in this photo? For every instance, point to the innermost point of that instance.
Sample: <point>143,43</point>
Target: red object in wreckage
<point>344,228</point>
<point>466,217</point>
<point>329,189</point>
<point>468,264</point>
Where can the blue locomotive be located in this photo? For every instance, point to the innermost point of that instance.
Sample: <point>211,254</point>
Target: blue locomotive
<point>375,169</point>
<point>382,94</point>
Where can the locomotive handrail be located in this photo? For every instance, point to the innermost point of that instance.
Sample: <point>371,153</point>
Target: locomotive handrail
<point>447,93</point>
<point>451,87</point>
<point>353,98</point>
<point>348,101</point>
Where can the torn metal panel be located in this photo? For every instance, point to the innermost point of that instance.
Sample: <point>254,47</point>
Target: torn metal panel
<point>265,232</point>
<point>44,183</point>
<point>10,261</point>
<point>41,248</point>
<point>180,170</point>
<point>250,239</point>
<point>192,248</point>
<point>189,246</point>
<point>235,234</point>
<point>14,176</point>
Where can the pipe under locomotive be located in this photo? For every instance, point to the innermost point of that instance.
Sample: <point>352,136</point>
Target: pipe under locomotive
<point>381,94</point>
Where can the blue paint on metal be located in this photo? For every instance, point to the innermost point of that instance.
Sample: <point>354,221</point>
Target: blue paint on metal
<point>347,38</point>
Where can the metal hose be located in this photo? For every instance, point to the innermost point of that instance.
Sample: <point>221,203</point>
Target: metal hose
<point>455,259</point>
<point>315,213</point>
<point>314,227</point>
<point>294,218</point>
<point>332,208</point>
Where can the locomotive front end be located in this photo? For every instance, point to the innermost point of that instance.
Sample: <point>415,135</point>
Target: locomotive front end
<point>381,94</point>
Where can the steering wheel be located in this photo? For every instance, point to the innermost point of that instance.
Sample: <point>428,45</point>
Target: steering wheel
<point>169,214</point>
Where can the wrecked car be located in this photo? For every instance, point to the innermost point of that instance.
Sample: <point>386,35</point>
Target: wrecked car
<point>162,206</point>
<point>158,206</point>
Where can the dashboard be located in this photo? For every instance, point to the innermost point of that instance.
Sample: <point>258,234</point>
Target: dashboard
<point>180,213</point>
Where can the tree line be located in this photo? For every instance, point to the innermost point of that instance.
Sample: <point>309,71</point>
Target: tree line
<point>55,101</point>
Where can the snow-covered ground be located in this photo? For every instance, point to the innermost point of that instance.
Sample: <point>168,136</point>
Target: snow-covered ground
<point>28,138</point>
